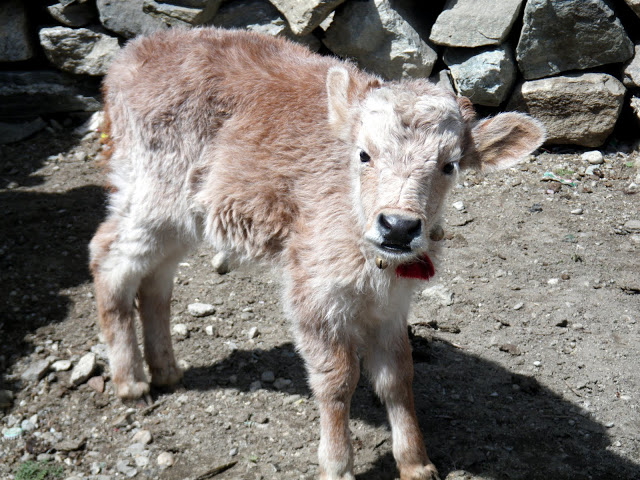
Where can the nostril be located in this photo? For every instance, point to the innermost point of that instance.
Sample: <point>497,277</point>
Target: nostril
<point>384,222</point>
<point>414,227</point>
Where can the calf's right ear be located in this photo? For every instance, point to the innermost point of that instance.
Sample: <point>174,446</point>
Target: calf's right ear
<point>338,86</point>
<point>344,92</point>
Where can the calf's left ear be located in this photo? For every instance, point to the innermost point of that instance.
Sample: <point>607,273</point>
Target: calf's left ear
<point>502,141</point>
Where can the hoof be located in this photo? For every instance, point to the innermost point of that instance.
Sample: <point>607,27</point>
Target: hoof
<point>166,377</point>
<point>419,472</point>
<point>132,390</point>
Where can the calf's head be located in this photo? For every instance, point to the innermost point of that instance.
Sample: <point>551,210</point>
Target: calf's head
<point>408,141</point>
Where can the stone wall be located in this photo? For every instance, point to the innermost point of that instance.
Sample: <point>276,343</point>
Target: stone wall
<point>570,63</point>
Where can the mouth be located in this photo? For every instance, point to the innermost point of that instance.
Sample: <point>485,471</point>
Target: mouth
<point>395,247</point>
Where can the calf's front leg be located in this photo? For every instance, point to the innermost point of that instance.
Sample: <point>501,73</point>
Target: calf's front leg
<point>333,375</point>
<point>390,365</point>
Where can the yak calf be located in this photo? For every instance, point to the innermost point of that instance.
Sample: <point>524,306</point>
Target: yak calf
<point>270,152</point>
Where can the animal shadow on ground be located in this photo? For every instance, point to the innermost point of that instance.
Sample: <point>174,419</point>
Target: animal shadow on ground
<point>43,237</point>
<point>476,415</point>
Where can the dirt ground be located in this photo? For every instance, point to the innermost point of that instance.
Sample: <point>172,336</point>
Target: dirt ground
<point>526,350</point>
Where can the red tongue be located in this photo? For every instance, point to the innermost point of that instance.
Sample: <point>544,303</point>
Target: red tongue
<point>420,269</point>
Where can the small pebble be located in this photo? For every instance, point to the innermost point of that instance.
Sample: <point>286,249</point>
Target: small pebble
<point>142,436</point>
<point>201,309</point>
<point>553,281</point>
<point>210,330</point>
<point>257,385</point>
<point>518,306</point>
<point>609,424</point>
<point>281,383</point>
<point>220,263</point>
<point>268,376</point>
<point>594,157</point>
<point>577,211</point>
<point>165,459</point>
<point>123,467</point>
<point>61,365</point>
<point>180,329</point>
<point>83,369</point>
<point>233,452</point>
<point>459,206</point>
<point>36,371</point>
<point>253,332</point>
<point>96,383</point>
<point>537,363</point>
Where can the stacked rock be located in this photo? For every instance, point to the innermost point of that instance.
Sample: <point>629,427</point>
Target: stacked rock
<point>570,63</point>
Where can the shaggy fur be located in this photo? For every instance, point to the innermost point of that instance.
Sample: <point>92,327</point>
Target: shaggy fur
<point>270,152</point>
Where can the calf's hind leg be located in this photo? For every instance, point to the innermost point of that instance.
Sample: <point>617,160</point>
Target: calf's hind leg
<point>116,278</point>
<point>154,298</point>
<point>128,260</point>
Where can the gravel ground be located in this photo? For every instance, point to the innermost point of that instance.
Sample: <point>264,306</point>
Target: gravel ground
<point>526,347</point>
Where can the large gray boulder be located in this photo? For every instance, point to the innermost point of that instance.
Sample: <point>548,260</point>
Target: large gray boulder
<point>380,40</point>
<point>126,18</point>
<point>486,75</point>
<point>305,15</point>
<point>75,13</point>
<point>79,50</point>
<point>182,13</point>
<point>15,44</point>
<point>475,23</point>
<point>562,35</point>
<point>29,94</point>
<point>259,16</point>
<point>579,109</point>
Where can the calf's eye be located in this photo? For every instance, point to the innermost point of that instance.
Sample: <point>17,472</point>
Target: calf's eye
<point>364,156</point>
<point>449,168</point>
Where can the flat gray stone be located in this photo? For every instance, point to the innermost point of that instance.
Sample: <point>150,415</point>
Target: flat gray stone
<point>75,14</point>
<point>305,15</point>
<point>380,40</point>
<point>260,16</point>
<point>127,18</point>
<point>15,42</point>
<point>83,369</point>
<point>14,132</point>
<point>79,50</point>
<point>579,109</point>
<point>486,76</point>
<point>562,35</point>
<point>35,371</point>
<point>29,94</point>
<point>182,15</point>
<point>475,23</point>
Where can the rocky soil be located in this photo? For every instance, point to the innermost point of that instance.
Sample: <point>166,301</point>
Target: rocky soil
<point>526,348</point>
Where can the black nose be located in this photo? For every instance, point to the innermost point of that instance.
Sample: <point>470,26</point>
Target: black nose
<point>398,231</point>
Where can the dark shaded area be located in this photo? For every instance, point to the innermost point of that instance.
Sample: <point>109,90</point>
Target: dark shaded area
<point>43,243</point>
<point>472,416</point>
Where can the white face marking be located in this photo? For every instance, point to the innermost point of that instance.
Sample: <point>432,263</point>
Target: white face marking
<point>408,140</point>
